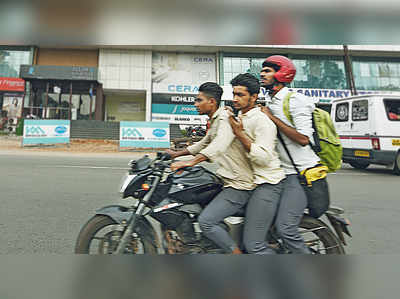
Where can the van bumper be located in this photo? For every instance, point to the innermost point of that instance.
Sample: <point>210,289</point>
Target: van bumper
<point>375,157</point>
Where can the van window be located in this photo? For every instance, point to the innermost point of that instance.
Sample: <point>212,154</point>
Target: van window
<point>342,112</point>
<point>360,110</point>
<point>392,109</point>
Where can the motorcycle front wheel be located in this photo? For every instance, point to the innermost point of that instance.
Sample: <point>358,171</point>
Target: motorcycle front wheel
<point>319,237</point>
<point>100,235</point>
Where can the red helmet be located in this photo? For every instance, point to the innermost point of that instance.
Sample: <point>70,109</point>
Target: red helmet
<point>287,69</point>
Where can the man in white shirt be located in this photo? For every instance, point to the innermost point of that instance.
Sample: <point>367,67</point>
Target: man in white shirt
<point>258,134</point>
<point>276,72</point>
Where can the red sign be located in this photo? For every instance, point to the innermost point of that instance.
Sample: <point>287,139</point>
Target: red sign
<point>12,84</point>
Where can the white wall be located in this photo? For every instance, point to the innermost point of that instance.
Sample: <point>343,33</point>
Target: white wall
<point>123,70</point>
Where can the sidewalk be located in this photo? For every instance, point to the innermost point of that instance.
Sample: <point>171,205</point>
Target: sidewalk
<point>12,144</point>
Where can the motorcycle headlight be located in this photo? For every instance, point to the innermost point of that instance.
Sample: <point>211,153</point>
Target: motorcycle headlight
<point>127,178</point>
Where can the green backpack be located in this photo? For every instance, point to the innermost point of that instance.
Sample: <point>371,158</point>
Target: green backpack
<point>327,141</point>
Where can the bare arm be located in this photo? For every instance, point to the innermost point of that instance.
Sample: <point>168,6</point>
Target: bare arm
<point>175,154</point>
<point>190,163</point>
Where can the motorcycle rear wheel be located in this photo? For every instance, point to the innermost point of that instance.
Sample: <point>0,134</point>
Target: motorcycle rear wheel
<point>105,230</point>
<point>319,237</point>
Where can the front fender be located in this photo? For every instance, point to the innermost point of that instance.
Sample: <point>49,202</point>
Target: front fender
<point>120,213</point>
<point>115,212</point>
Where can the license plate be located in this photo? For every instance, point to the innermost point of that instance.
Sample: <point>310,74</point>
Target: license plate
<point>361,153</point>
<point>396,142</point>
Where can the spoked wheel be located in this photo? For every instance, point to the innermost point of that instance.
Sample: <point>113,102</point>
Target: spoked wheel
<point>319,238</point>
<point>101,235</point>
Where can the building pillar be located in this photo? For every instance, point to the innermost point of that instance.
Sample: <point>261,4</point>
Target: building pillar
<point>99,106</point>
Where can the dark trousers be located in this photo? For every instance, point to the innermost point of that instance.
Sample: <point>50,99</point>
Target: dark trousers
<point>227,203</point>
<point>260,214</point>
<point>290,212</point>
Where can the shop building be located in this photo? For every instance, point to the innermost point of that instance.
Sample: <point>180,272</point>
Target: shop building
<point>12,88</point>
<point>64,85</point>
<point>159,83</point>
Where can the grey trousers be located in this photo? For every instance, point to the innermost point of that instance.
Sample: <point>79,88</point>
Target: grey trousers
<point>227,203</point>
<point>260,213</point>
<point>290,212</point>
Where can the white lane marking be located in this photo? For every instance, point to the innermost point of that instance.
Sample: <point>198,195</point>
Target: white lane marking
<point>353,174</point>
<point>90,167</point>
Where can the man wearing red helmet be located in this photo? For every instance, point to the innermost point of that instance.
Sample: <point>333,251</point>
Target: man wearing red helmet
<point>276,72</point>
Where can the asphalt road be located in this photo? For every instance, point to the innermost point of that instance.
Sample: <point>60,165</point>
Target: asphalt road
<point>47,198</point>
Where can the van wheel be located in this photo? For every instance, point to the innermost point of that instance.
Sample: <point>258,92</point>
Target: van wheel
<point>359,165</point>
<point>396,168</point>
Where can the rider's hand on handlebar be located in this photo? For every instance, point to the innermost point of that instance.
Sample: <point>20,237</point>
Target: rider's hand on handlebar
<point>180,164</point>
<point>172,153</point>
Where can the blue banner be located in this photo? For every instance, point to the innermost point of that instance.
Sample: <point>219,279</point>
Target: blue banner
<point>46,131</point>
<point>144,134</point>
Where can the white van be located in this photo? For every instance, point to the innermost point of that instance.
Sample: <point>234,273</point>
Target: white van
<point>369,129</point>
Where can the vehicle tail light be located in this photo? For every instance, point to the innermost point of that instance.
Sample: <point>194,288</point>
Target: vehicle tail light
<point>375,144</point>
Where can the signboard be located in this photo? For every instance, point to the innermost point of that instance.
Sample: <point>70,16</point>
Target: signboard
<point>58,72</point>
<point>12,84</point>
<point>181,72</point>
<point>176,109</point>
<point>144,134</point>
<point>46,132</point>
<point>321,96</point>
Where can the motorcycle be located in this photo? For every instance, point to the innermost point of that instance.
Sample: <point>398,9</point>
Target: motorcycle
<point>172,201</point>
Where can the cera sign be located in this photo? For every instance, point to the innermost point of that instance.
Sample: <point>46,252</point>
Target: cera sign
<point>181,72</point>
<point>12,84</point>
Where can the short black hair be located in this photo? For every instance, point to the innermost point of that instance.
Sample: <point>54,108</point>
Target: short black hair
<point>273,65</point>
<point>248,80</point>
<point>212,90</point>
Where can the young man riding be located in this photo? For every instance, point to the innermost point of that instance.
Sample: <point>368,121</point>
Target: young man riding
<point>220,146</point>
<point>258,134</point>
<point>277,71</point>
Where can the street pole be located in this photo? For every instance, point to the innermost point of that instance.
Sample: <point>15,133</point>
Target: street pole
<point>349,71</point>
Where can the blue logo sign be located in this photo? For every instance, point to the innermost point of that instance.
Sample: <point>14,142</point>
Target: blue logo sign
<point>31,70</point>
<point>129,132</point>
<point>34,130</point>
<point>61,129</point>
<point>159,132</point>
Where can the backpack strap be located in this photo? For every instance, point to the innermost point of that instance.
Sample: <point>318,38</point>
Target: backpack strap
<point>286,111</point>
<point>287,151</point>
<point>286,102</point>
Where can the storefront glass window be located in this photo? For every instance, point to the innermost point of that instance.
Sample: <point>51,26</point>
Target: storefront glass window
<point>376,75</point>
<point>319,72</point>
<point>11,60</point>
<point>312,71</point>
<point>58,106</point>
<point>234,66</point>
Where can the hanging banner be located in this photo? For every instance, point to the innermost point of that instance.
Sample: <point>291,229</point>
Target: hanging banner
<point>144,134</point>
<point>181,72</point>
<point>46,132</point>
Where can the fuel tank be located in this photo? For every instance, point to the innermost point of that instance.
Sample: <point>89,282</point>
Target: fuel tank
<point>195,185</point>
